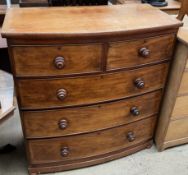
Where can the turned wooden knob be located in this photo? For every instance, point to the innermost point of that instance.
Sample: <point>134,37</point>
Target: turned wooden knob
<point>65,151</point>
<point>59,62</point>
<point>144,52</point>
<point>139,83</point>
<point>134,111</point>
<point>61,94</point>
<point>63,124</point>
<point>130,136</point>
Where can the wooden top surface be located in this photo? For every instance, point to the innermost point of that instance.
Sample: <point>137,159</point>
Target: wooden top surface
<point>85,21</point>
<point>172,4</point>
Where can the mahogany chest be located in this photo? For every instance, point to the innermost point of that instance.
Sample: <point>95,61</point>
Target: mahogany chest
<point>89,80</point>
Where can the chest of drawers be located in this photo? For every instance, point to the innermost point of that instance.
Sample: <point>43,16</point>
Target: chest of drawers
<point>89,80</point>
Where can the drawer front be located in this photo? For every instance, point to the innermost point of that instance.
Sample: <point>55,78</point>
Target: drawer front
<point>178,129</point>
<point>56,60</point>
<point>135,53</point>
<point>180,109</point>
<point>89,145</point>
<point>184,84</point>
<point>40,124</point>
<point>43,93</point>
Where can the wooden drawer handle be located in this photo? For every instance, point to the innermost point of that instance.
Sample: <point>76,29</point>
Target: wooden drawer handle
<point>63,124</point>
<point>59,62</point>
<point>61,94</point>
<point>130,136</point>
<point>139,83</point>
<point>144,52</point>
<point>64,151</point>
<point>135,111</point>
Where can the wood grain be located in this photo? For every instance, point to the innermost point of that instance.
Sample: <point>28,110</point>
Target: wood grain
<point>183,10</point>
<point>78,59</point>
<point>91,105</point>
<point>174,80</point>
<point>180,108</point>
<point>41,124</point>
<point>93,144</point>
<point>42,93</point>
<point>51,167</point>
<point>177,130</point>
<point>184,84</point>
<point>102,22</point>
<point>126,54</point>
<point>183,34</point>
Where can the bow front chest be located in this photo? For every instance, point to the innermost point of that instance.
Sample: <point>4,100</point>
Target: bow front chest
<point>89,80</point>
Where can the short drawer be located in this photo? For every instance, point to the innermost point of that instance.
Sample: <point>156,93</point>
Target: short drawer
<point>91,144</point>
<point>50,93</point>
<point>139,52</point>
<point>53,123</point>
<point>178,130</point>
<point>56,60</point>
<point>184,84</point>
<point>180,109</point>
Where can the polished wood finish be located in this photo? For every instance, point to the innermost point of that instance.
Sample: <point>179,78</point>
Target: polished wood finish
<point>90,145</point>
<point>98,25</point>
<point>178,130</point>
<point>172,125</point>
<point>41,93</point>
<point>40,124</point>
<point>88,162</point>
<point>180,108</point>
<point>183,90</point>
<point>43,62</point>
<point>139,52</point>
<point>76,110</point>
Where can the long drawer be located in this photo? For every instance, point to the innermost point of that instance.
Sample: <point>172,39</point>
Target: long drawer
<point>139,52</point>
<point>53,123</point>
<point>50,93</point>
<point>89,145</point>
<point>56,60</point>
